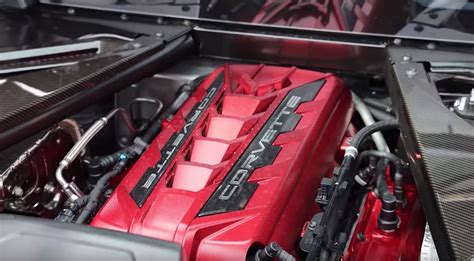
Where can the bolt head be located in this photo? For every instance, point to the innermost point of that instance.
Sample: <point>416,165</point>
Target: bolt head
<point>431,46</point>
<point>124,17</point>
<point>411,72</point>
<point>71,11</point>
<point>419,28</point>
<point>406,58</point>
<point>397,41</point>
<point>17,191</point>
<point>433,15</point>
<point>159,35</point>
<point>49,187</point>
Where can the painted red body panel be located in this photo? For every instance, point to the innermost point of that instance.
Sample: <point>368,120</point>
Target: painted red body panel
<point>403,244</point>
<point>286,189</point>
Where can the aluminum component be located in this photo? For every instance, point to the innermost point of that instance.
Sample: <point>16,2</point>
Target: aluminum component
<point>428,249</point>
<point>28,185</point>
<point>351,151</point>
<point>367,118</point>
<point>94,46</point>
<point>83,141</point>
<point>70,188</point>
<point>116,36</point>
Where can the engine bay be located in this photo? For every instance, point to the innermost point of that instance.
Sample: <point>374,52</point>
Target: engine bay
<point>198,140</point>
<point>230,161</point>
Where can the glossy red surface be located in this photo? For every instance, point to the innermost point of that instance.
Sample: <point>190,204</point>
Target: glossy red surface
<point>308,14</point>
<point>370,243</point>
<point>286,188</point>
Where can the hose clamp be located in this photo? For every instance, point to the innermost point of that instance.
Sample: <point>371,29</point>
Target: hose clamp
<point>351,151</point>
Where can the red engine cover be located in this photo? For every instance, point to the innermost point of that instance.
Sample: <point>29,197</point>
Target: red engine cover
<point>238,166</point>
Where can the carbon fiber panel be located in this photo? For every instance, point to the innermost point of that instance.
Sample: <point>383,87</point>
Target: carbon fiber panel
<point>441,151</point>
<point>29,101</point>
<point>22,98</point>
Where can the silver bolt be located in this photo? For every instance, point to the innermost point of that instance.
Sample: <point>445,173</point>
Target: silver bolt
<point>431,46</point>
<point>71,11</point>
<point>411,72</point>
<point>124,17</point>
<point>17,191</point>
<point>136,45</point>
<point>406,58</point>
<point>49,187</point>
<point>159,35</point>
<point>159,20</point>
<point>397,41</point>
<point>187,22</point>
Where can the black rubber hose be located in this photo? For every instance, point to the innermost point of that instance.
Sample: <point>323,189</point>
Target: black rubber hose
<point>185,93</point>
<point>398,177</point>
<point>272,251</point>
<point>379,105</point>
<point>397,162</point>
<point>346,170</point>
<point>380,115</point>
<point>98,190</point>
<point>365,132</point>
<point>381,180</point>
<point>153,130</point>
<point>82,201</point>
<point>108,161</point>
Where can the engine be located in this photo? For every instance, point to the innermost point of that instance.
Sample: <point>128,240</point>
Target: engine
<point>250,162</point>
<point>236,130</point>
<point>238,165</point>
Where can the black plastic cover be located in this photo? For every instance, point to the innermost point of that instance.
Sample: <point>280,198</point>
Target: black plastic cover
<point>28,238</point>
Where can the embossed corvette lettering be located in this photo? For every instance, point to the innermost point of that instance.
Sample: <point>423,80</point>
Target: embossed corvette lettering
<point>151,177</point>
<point>235,190</point>
<point>266,140</point>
